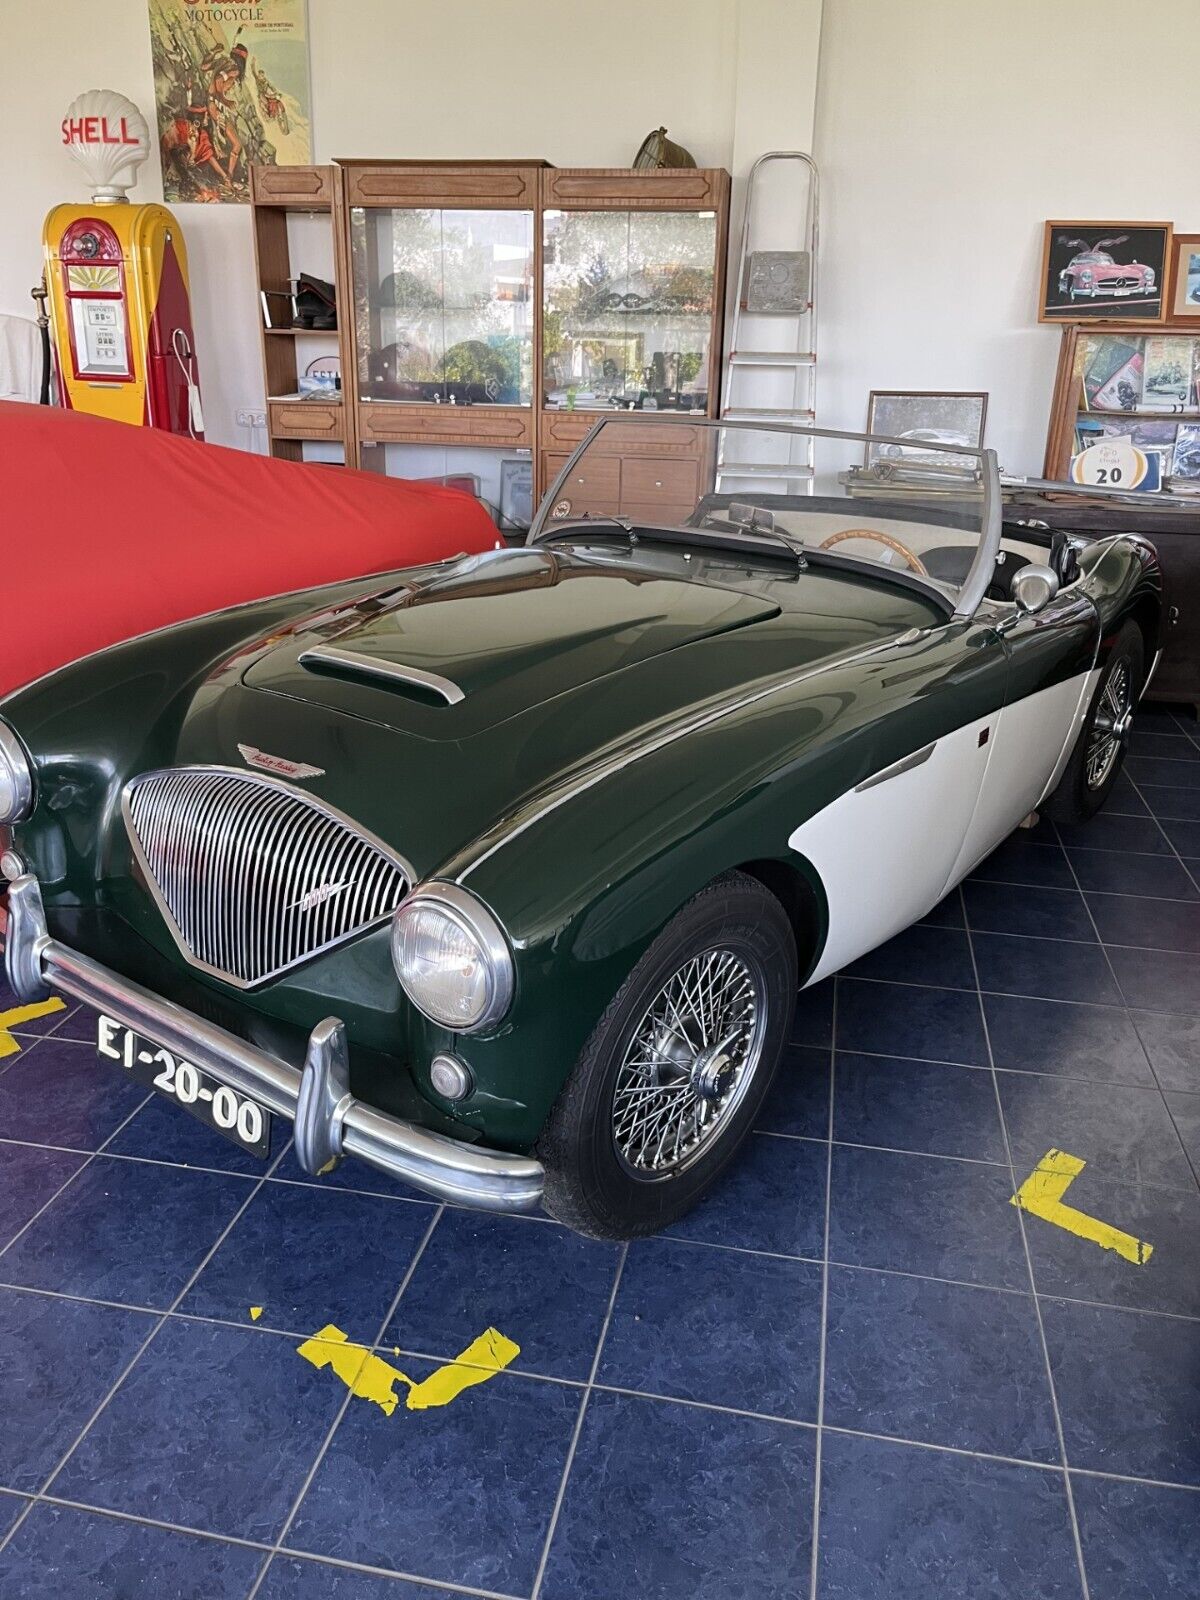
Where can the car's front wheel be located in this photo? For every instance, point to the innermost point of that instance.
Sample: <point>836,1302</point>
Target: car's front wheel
<point>671,1080</point>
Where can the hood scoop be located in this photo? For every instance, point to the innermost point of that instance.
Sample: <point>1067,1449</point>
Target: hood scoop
<point>490,638</point>
<point>353,665</point>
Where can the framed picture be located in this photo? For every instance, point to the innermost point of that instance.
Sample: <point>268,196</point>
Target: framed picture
<point>925,417</point>
<point>1183,299</point>
<point>1167,375</point>
<point>516,492</point>
<point>1111,367</point>
<point>1185,463</point>
<point>1097,270</point>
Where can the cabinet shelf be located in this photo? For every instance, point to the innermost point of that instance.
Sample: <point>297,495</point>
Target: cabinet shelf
<point>301,333</point>
<point>283,199</point>
<point>1190,415</point>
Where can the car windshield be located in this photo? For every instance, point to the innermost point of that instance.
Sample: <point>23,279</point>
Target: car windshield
<point>1095,255</point>
<point>918,505</point>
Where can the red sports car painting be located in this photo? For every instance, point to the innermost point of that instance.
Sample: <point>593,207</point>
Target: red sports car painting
<point>1092,273</point>
<point>1096,270</point>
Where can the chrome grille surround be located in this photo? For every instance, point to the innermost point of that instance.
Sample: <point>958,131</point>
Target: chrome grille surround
<point>252,875</point>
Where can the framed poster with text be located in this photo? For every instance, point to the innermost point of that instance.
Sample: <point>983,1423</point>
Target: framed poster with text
<point>231,87</point>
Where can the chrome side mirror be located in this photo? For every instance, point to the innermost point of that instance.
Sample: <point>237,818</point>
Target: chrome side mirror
<point>1034,587</point>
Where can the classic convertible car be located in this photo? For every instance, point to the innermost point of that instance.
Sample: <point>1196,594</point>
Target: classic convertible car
<point>501,873</point>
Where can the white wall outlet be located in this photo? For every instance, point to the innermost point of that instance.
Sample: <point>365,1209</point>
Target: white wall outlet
<point>250,419</point>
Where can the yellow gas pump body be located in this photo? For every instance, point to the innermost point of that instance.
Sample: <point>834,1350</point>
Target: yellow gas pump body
<point>120,314</point>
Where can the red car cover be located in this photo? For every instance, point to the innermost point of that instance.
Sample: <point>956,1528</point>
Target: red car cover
<point>107,531</point>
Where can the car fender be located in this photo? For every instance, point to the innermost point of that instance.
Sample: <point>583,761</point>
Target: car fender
<point>584,889</point>
<point>120,710</point>
<point>1123,577</point>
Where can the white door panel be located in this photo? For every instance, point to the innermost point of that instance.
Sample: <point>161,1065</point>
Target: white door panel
<point>885,850</point>
<point>1088,681</point>
<point>1032,742</point>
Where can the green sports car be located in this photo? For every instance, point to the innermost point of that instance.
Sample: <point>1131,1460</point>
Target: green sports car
<point>502,874</point>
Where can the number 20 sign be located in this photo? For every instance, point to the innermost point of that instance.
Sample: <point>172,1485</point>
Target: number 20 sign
<point>1115,464</point>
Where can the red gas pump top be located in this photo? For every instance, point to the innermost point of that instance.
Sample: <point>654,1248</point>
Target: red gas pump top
<point>89,239</point>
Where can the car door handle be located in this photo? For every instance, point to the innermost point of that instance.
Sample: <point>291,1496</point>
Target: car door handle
<point>905,764</point>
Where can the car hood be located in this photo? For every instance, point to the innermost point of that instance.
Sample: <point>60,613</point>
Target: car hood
<point>449,656</point>
<point>561,659</point>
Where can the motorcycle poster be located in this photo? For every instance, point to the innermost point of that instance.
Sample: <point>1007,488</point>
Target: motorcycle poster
<point>231,87</point>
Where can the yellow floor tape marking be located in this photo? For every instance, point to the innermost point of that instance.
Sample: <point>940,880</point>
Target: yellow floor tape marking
<point>482,1359</point>
<point>364,1374</point>
<point>1042,1195</point>
<point>371,1378</point>
<point>255,1313</point>
<point>19,1014</point>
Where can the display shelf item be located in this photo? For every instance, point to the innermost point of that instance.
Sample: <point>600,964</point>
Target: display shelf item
<point>1121,383</point>
<point>298,256</point>
<point>628,309</point>
<point>1098,271</point>
<point>443,305</point>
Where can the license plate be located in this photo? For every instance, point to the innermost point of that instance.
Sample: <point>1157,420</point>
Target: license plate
<point>215,1104</point>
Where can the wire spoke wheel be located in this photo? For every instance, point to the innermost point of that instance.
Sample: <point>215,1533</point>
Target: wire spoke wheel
<point>689,1062</point>
<point>1110,726</point>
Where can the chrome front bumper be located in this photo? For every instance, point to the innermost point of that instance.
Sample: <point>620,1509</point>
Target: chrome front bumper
<point>329,1121</point>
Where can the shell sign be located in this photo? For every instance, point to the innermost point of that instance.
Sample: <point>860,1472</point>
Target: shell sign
<point>108,136</point>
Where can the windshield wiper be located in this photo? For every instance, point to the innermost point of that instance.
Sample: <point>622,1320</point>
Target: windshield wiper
<point>744,532</point>
<point>732,534</point>
<point>551,530</point>
<point>610,517</point>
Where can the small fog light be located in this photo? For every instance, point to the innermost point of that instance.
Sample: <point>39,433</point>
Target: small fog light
<point>450,1077</point>
<point>11,866</point>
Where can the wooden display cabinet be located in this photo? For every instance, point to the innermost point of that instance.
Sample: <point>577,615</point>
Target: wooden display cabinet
<point>444,265</point>
<point>1105,385</point>
<point>1117,378</point>
<point>637,469</point>
<point>281,199</point>
<point>632,312</point>
<point>491,311</point>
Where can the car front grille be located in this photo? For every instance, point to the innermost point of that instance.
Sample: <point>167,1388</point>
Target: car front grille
<point>252,875</point>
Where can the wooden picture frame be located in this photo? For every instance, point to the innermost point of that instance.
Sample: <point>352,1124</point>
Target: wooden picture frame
<point>939,421</point>
<point>1071,288</point>
<point>1183,300</point>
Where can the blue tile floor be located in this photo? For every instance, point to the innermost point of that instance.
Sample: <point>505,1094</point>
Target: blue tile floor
<point>858,1372</point>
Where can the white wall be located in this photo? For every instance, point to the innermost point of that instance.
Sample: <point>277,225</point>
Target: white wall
<point>575,83</point>
<point>947,132</point>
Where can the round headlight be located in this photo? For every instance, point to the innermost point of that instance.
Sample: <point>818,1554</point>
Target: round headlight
<point>16,778</point>
<point>452,958</point>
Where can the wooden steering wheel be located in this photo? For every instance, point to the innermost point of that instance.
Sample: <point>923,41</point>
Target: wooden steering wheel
<point>913,560</point>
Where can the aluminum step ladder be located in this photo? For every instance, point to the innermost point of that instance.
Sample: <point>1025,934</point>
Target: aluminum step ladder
<point>771,365</point>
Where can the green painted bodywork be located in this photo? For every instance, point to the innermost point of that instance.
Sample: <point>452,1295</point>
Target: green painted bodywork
<point>635,722</point>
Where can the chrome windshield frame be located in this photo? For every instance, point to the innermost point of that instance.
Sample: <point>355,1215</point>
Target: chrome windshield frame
<point>979,575</point>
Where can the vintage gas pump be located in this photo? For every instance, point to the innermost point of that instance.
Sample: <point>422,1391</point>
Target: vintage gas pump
<point>116,275</point>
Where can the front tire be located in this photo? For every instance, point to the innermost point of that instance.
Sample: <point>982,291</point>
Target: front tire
<point>1099,752</point>
<point>672,1078</point>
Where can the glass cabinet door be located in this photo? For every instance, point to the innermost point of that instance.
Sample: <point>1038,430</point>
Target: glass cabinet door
<point>443,305</point>
<point>628,309</point>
